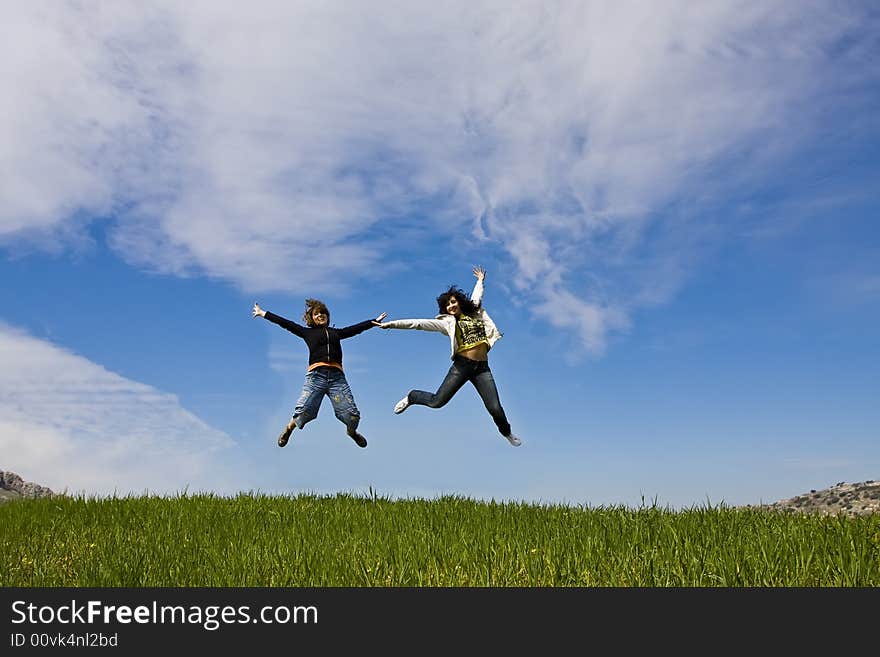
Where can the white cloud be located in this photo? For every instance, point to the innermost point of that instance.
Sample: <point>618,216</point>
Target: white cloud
<point>68,423</point>
<point>231,140</point>
<point>592,321</point>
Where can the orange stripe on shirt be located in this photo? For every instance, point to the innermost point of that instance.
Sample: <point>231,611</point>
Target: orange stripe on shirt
<point>320,363</point>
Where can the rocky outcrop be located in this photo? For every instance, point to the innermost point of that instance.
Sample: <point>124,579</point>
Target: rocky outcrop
<point>14,487</point>
<point>858,499</point>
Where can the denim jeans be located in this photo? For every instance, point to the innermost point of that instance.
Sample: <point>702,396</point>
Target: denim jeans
<point>328,381</point>
<point>464,370</point>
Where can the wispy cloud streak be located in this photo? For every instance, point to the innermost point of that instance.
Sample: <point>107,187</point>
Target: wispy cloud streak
<point>72,424</point>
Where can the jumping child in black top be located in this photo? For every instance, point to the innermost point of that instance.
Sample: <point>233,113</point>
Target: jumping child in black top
<point>325,375</point>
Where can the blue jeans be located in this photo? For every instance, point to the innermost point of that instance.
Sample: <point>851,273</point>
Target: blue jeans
<point>464,370</point>
<point>328,381</point>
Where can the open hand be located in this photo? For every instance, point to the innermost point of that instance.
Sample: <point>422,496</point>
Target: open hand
<point>479,272</point>
<point>258,311</point>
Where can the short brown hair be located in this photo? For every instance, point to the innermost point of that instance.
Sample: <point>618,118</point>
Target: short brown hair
<point>311,306</point>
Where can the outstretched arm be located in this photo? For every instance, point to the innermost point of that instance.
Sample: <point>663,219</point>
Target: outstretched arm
<point>354,329</point>
<point>293,327</point>
<point>477,294</point>
<point>418,324</point>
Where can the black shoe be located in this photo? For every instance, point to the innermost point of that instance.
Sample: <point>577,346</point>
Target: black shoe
<point>285,435</point>
<point>359,439</point>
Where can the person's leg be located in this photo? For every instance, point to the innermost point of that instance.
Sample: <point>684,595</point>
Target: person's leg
<point>455,379</point>
<point>344,407</point>
<point>307,405</point>
<point>484,382</point>
<point>309,402</point>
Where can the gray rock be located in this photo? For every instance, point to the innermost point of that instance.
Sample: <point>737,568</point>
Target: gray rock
<point>860,499</point>
<point>12,486</point>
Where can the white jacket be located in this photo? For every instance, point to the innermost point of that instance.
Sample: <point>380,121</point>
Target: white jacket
<point>446,323</point>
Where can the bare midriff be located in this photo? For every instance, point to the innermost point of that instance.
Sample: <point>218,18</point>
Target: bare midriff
<point>479,352</point>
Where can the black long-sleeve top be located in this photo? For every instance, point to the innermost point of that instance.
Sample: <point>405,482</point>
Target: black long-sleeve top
<point>323,341</point>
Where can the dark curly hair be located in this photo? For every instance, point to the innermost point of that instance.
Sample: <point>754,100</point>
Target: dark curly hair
<point>311,306</point>
<point>467,306</point>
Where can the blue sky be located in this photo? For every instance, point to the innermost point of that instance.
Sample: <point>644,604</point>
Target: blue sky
<point>676,204</point>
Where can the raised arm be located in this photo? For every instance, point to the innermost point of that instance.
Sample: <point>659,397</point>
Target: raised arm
<point>477,294</point>
<point>293,327</point>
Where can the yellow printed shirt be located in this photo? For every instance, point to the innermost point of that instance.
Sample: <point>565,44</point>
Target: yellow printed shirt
<point>469,332</point>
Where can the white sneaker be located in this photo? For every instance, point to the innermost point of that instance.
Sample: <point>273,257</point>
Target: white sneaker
<point>400,406</point>
<point>513,440</point>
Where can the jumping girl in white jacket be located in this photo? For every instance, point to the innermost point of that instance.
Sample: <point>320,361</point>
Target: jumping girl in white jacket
<point>471,333</point>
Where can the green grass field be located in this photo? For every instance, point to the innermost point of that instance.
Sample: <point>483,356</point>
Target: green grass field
<point>347,540</point>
